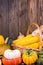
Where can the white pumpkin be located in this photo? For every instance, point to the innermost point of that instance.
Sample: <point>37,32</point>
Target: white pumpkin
<point>17,53</point>
<point>35,32</point>
<point>11,54</point>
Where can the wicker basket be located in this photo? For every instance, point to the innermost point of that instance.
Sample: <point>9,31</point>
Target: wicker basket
<point>23,48</point>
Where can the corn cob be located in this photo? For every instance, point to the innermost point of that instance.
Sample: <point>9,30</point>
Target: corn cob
<point>29,39</point>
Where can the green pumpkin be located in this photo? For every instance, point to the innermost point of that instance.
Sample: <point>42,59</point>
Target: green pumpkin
<point>41,52</point>
<point>39,61</point>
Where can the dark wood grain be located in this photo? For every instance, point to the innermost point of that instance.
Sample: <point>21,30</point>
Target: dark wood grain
<point>4,17</point>
<point>23,16</point>
<point>16,16</point>
<point>41,12</point>
<point>33,11</point>
<point>13,18</point>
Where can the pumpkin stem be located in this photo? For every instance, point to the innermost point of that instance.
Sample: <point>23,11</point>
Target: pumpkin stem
<point>28,52</point>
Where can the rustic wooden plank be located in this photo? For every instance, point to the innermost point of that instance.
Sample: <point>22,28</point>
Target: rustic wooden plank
<point>0,18</point>
<point>32,14</point>
<point>4,17</point>
<point>16,15</point>
<point>23,16</point>
<point>41,12</point>
<point>38,11</point>
<point>13,18</point>
<point>28,7</point>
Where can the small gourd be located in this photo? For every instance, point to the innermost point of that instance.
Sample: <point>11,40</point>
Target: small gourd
<point>12,57</point>
<point>29,57</point>
<point>1,39</point>
<point>40,59</point>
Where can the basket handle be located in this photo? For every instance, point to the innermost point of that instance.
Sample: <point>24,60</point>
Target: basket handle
<point>40,33</point>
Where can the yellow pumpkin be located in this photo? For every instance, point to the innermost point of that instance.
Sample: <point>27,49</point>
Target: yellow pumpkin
<point>1,39</point>
<point>29,57</point>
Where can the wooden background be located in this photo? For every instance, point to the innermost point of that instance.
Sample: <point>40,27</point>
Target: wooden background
<point>16,15</point>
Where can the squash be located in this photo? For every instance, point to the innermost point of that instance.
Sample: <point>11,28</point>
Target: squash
<point>11,54</point>
<point>39,61</point>
<point>15,61</point>
<point>1,39</point>
<point>12,57</point>
<point>29,39</point>
<point>29,57</point>
<point>34,45</point>
<point>41,54</point>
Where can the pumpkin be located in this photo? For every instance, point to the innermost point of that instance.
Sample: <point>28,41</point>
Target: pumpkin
<point>12,57</point>
<point>15,61</point>
<point>40,60</point>
<point>29,57</point>
<point>41,54</point>
<point>35,32</point>
<point>1,39</point>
